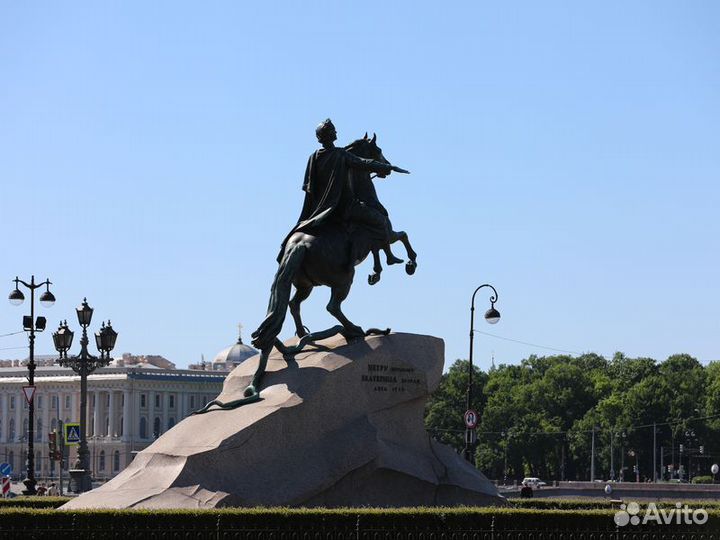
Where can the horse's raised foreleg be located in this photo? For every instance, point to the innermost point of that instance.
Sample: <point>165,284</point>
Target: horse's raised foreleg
<point>402,236</point>
<point>377,268</point>
<point>339,294</point>
<point>301,294</point>
<point>390,256</point>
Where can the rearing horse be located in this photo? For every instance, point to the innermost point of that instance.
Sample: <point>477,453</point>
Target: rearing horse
<point>327,256</point>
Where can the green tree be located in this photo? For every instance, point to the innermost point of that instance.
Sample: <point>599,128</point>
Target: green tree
<point>444,411</point>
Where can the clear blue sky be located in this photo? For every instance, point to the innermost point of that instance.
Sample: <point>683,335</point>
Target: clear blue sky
<point>151,157</point>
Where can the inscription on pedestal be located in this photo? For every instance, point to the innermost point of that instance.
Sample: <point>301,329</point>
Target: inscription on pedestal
<point>385,378</point>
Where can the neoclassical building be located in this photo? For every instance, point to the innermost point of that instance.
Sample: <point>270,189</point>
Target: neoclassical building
<point>129,405</point>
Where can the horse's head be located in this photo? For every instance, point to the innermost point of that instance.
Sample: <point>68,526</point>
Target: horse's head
<point>367,148</point>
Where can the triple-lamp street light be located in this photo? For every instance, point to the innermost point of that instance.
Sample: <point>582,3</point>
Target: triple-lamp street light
<point>84,364</point>
<point>31,325</point>
<point>492,316</point>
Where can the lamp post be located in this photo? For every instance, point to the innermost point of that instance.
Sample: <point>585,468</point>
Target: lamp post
<point>31,325</point>
<point>506,436</point>
<point>492,316</point>
<point>84,364</point>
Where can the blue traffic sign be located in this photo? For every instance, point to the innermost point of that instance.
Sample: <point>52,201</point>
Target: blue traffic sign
<point>5,469</point>
<point>72,433</point>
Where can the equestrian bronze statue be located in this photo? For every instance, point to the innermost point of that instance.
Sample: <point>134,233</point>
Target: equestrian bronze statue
<point>341,223</point>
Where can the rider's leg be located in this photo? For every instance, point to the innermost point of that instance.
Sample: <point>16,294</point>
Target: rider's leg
<point>378,222</point>
<point>301,293</point>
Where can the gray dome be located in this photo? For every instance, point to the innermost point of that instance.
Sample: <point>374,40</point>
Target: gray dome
<point>235,355</point>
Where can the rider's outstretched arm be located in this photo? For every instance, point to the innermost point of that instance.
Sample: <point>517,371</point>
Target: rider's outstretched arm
<point>368,164</point>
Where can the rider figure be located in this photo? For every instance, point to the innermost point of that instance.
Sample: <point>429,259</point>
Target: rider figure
<point>329,198</point>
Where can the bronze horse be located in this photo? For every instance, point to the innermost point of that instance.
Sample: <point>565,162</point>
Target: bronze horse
<point>327,256</point>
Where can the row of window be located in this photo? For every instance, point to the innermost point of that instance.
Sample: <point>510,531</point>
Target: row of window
<point>171,401</point>
<point>157,427</point>
<point>101,462</point>
<point>143,431</point>
<point>12,431</point>
<point>40,402</point>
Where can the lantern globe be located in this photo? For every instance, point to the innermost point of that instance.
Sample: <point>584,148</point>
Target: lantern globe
<point>492,315</point>
<point>16,297</point>
<point>84,313</point>
<point>47,299</point>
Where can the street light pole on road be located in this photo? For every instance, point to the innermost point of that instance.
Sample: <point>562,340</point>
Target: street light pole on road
<point>492,316</point>
<point>84,364</point>
<point>31,325</point>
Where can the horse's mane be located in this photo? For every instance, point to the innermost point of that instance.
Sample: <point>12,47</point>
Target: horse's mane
<point>356,144</point>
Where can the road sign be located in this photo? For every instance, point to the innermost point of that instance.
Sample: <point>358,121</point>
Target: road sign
<point>471,419</point>
<point>5,469</point>
<point>5,485</point>
<point>72,433</point>
<point>29,392</point>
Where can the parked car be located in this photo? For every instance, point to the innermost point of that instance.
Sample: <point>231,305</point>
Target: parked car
<point>534,483</point>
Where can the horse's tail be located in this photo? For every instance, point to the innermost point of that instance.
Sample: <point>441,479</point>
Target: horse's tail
<point>264,337</point>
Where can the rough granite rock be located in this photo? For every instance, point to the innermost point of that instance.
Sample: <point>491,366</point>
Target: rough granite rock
<point>342,425</point>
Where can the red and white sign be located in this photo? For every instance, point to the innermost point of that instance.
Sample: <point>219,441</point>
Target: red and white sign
<point>29,392</point>
<point>5,485</point>
<point>471,419</point>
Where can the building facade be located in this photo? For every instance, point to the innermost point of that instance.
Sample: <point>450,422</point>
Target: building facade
<point>129,404</point>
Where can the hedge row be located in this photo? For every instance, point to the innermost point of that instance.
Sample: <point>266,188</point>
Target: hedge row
<point>536,503</point>
<point>599,504</point>
<point>311,524</point>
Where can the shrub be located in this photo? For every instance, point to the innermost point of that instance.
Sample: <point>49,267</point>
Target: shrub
<point>702,480</point>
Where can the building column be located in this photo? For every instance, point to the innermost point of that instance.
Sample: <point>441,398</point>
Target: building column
<point>61,404</point>
<point>96,412</point>
<point>74,413</point>
<point>111,415</point>
<point>165,402</point>
<point>181,405</point>
<point>5,403</point>
<point>126,420</point>
<point>46,417</point>
<point>19,400</point>
<point>151,414</point>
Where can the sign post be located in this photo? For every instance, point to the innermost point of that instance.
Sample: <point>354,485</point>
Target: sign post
<point>5,486</point>
<point>29,392</point>
<point>471,419</point>
<point>61,450</point>
<point>71,434</point>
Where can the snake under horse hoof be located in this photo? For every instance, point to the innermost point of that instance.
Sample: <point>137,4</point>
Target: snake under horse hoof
<point>252,394</point>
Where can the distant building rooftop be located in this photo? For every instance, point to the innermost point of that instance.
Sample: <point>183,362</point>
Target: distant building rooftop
<point>229,358</point>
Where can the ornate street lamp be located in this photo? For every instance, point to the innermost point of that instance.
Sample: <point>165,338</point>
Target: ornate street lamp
<point>84,364</point>
<point>492,316</point>
<point>31,325</point>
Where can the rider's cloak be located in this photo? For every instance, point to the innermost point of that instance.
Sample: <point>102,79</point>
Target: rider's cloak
<point>328,196</point>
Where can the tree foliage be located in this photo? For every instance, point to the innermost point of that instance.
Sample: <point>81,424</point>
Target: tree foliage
<point>538,418</point>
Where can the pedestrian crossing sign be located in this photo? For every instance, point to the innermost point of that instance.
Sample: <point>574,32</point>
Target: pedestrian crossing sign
<point>72,434</point>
